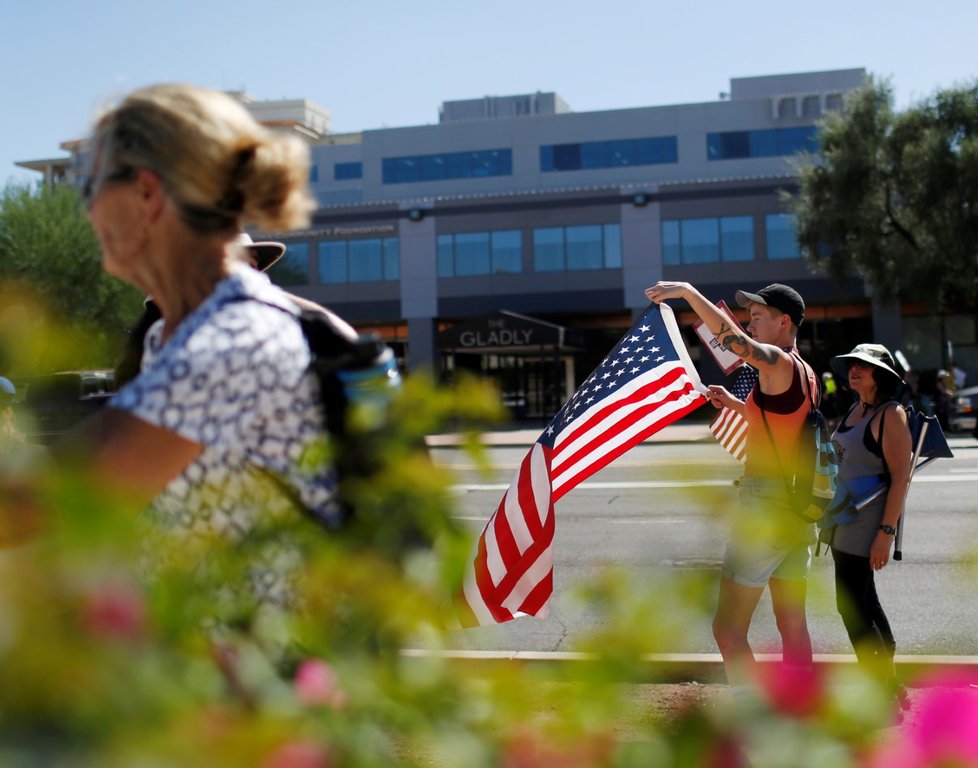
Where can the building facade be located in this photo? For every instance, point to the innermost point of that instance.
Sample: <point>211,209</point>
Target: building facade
<point>518,207</point>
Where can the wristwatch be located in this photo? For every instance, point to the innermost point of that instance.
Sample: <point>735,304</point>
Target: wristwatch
<point>888,529</point>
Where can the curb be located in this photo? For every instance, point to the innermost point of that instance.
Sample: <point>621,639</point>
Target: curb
<point>692,667</point>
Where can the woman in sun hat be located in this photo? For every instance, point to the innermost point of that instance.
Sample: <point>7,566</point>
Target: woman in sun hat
<point>874,445</point>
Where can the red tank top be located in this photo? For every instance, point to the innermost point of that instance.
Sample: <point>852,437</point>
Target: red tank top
<point>785,414</point>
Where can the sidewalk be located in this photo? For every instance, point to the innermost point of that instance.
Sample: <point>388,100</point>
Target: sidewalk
<point>701,668</point>
<point>695,432</point>
<point>527,436</point>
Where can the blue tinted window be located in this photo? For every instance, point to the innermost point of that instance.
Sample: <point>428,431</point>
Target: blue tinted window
<point>507,252</point>
<point>612,246</point>
<point>657,151</point>
<point>584,247</point>
<point>313,174</point>
<point>781,240</point>
<point>791,140</point>
<point>771,142</point>
<point>332,262</point>
<point>548,249</point>
<point>345,171</point>
<point>727,146</point>
<point>449,165</point>
<point>609,154</point>
<point>446,256</point>
<point>700,240</point>
<point>670,243</point>
<point>392,258</point>
<point>547,158</point>
<point>293,267</point>
<point>366,263</point>
<point>594,154</point>
<point>472,254</point>
<point>737,238</point>
<point>764,143</point>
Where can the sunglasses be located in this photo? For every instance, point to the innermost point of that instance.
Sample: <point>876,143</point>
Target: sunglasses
<point>93,184</point>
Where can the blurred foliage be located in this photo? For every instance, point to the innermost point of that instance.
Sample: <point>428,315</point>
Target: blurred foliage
<point>894,195</point>
<point>52,286</point>
<point>104,662</point>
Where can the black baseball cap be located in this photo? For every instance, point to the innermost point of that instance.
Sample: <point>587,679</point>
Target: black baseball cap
<point>776,295</point>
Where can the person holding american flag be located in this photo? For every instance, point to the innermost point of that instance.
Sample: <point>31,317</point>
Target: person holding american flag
<point>770,545</point>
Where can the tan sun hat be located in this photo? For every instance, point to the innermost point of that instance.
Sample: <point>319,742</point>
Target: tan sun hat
<point>871,354</point>
<point>266,253</point>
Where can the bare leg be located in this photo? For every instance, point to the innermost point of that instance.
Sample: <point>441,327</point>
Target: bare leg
<point>735,608</point>
<point>788,599</point>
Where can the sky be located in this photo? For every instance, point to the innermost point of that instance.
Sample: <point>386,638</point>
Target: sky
<point>377,63</point>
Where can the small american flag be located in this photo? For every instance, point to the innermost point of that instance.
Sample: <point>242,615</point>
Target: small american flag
<point>729,427</point>
<point>645,383</point>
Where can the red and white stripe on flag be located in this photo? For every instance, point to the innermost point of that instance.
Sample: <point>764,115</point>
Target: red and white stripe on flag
<point>730,429</point>
<point>647,382</point>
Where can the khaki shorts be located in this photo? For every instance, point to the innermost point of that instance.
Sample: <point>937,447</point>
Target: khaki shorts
<point>769,541</point>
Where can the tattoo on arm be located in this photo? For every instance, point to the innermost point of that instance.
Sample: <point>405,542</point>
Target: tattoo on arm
<point>736,344</point>
<point>768,356</point>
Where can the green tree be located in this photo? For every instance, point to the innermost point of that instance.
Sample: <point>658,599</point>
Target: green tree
<point>50,273</point>
<point>894,196</point>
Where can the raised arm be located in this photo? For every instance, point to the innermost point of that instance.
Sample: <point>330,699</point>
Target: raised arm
<point>730,335</point>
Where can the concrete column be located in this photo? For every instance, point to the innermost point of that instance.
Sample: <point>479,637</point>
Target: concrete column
<point>887,324</point>
<point>419,287</point>
<point>641,251</point>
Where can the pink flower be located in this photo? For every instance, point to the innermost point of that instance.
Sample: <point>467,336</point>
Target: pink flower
<point>791,690</point>
<point>316,683</point>
<point>945,726</point>
<point>943,730</point>
<point>300,754</point>
<point>115,610</point>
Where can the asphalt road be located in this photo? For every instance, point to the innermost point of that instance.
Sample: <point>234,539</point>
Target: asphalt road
<point>657,515</point>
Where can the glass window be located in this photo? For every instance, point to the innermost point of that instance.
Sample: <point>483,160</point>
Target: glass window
<point>729,145</point>
<point>450,165</point>
<point>313,174</point>
<point>446,256</point>
<point>773,142</point>
<point>737,238</point>
<point>392,258</point>
<point>764,144</point>
<point>594,154</point>
<point>332,262</point>
<point>547,158</point>
<point>345,171</point>
<point>548,249</point>
<point>792,140</point>
<point>612,246</point>
<point>609,154</point>
<point>293,267</point>
<point>584,248</point>
<point>366,263</point>
<point>472,254</point>
<point>567,157</point>
<point>700,241</point>
<point>507,252</point>
<point>670,243</point>
<point>781,241</point>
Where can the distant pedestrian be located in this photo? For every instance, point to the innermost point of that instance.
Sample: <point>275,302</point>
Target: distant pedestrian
<point>10,435</point>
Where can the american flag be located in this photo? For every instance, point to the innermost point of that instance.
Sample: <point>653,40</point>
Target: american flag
<point>729,427</point>
<point>645,383</point>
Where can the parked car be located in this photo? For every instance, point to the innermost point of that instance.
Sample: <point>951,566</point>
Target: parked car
<point>964,410</point>
<point>50,405</point>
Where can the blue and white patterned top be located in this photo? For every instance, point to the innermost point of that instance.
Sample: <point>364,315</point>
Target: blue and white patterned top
<point>233,379</point>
